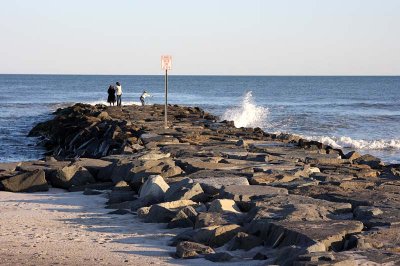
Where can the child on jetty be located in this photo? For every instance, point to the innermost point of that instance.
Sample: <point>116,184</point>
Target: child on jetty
<point>144,96</point>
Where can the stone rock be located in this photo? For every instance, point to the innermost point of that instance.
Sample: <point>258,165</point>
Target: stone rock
<point>352,155</point>
<point>362,212</point>
<point>219,257</point>
<point>8,167</point>
<point>224,205</point>
<point>213,181</point>
<point>155,188</point>
<point>27,182</point>
<point>73,175</point>
<point>369,160</point>
<point>154,155</point>
<point>104,116</point>
<point>188,249</point>
<point>216,236</point>
<point>185,190</point>
<point>191,165</point>
<point>186,217</point>
<point>143,212</point>
<point>242,143</point>
<point>379,238</point>
<point>165,212</point>
<point>143,202</point>
<point>122,185</point>
<point>94,166</point>
<point>245,241</point>
<point>246,193</point>
<point>118,196</point>
<point>313,236</point>
<point>207,219</point>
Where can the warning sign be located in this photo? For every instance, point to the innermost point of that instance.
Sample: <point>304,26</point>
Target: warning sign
<point>166,62</point>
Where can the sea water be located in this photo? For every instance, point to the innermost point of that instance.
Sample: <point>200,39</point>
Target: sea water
<point>353,113</point>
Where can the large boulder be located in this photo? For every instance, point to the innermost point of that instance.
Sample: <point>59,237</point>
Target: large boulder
<point>185,190</point>
<point>166,211</point>
<point>207,219</point>
<point>224,205</point>
<point>369,160</point>
<point>154,188</point>
<point>247,193</point>
<point>312,236</point>
<point>73,175</point>
<point>245,241</point>
<point>186,217</point>
<point>186,250</point>
<point>216,236</point>
<point>94,166</point>
<point>27,182</point>
<point>213,180</point>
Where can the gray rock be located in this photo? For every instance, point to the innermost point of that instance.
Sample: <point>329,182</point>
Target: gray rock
<point>216,236</point>
<point>246,193</point>
<point>186,217</point>
<point>224,205</point>
<point>118,196</point>
<point>185,190</point>
<point>188,249</point>
<point>369,160</point>
<point>245,241</point>
<point>207,219</point>
<point>165,212</point>
<point>94,166</point>
<point>155,188</point>
<point>313,236</point>
<point>73,175</point>
<point>27,182</point>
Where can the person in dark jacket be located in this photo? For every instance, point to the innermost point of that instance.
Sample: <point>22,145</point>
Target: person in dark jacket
<point>111,95</point>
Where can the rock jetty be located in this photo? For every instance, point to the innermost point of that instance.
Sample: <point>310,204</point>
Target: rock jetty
<point>279,198</point>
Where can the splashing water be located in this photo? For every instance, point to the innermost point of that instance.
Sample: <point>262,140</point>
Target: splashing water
<point>347,142</point>
<point>248,114</point>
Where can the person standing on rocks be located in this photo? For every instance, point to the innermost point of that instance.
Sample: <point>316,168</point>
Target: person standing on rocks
<point>119,93</point>
<point>143,97</point>
<point>111,95</point>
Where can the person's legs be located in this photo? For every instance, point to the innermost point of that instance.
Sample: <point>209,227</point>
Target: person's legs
<point>119,100</point>
<point>142,100</point>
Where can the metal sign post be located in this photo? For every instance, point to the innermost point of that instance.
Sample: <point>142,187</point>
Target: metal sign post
<point>166,64</point>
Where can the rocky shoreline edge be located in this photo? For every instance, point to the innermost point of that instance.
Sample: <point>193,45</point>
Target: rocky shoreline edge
<point>280,198</point>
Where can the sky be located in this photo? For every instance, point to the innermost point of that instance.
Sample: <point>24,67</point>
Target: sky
<point>208,37</point>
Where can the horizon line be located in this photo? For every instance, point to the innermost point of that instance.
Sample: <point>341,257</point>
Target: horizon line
<point>211,75</point>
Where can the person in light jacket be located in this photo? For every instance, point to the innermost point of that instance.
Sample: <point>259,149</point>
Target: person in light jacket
<point>119,93</point>
<point>143,97</point>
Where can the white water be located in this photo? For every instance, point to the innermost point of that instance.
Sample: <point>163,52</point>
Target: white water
<point>347,142</point>
<point>247,114</point>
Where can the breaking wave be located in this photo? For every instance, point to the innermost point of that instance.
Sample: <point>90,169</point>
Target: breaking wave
<point>347,142</point>
<point>247,114</point>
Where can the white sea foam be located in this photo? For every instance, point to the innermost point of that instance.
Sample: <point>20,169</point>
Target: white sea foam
<point>360,144</point>
<point>248,114</point>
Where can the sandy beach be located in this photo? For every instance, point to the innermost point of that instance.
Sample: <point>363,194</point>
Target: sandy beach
<point>62,228</point>
<point>69,228</point>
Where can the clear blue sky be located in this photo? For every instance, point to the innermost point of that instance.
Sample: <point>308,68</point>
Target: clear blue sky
<point>229,37</point>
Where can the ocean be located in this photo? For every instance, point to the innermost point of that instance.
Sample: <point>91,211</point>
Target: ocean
<point>353,113</point>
